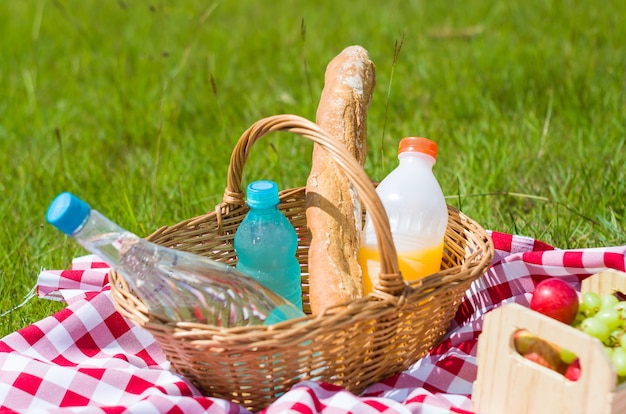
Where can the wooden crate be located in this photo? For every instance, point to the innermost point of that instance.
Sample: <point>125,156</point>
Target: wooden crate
<point>509,383</point>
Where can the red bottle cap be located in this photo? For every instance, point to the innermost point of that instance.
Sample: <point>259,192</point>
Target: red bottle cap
<point>418,144</point>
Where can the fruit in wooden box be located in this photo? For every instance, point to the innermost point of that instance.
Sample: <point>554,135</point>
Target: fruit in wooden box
<point>508,382</point>
<point>542,352</point>
<point>600,316</point>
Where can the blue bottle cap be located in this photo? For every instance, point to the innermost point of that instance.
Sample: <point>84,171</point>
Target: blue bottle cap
<point>262,194</point>
<point>67,212</point>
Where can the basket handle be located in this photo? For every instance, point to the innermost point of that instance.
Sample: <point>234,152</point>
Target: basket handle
<point>390,280</point>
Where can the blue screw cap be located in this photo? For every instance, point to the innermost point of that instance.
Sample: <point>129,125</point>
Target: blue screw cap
<point>67,212</point>
<point>263,194</point>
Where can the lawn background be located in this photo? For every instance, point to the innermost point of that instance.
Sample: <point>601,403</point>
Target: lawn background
<point>136,105</point>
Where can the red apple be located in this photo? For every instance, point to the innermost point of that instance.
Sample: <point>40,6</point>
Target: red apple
<point>572,372</point>
<point>557,299</point>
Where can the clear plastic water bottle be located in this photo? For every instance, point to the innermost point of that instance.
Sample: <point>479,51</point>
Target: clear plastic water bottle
<point>174,285</point>
<point>417,211</point>
<point>266,243</point>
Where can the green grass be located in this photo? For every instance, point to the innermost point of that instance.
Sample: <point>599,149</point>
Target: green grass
<point>135,106</point>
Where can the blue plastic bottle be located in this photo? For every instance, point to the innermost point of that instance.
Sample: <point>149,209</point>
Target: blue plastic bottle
<point>266,243</point>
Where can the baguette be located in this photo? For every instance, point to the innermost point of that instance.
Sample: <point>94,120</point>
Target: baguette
<point>333,211</point>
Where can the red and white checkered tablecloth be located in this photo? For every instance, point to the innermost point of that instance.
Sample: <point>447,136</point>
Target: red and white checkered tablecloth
<point>88,358</point>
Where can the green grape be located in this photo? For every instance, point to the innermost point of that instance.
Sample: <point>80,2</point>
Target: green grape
<point>596,328</point>
<point>567,356</point>
<point>608,301</point>
<point>610,317</point>
<point>620,307</point>
<point>583,312</point>
<point>618,358</point>
<point>614,338</point>
<point>622,341</point>
<point>609,351</point>
<point>592,302</point>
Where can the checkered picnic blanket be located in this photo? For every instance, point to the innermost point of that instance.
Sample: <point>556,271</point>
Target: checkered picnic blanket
<point>88,358</point>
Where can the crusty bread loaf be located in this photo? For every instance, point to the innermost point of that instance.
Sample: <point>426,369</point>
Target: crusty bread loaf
<point>333,209</point>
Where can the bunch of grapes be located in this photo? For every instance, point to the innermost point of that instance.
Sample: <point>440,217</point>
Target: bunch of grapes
<point>604,318</point>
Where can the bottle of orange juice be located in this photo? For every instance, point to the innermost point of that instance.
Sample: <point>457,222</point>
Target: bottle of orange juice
<point>417,211</point>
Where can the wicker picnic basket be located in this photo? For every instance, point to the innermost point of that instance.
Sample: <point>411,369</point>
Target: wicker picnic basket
<point>354,345</point>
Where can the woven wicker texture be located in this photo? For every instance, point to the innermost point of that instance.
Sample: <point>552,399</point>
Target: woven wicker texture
<point>353,345</point>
